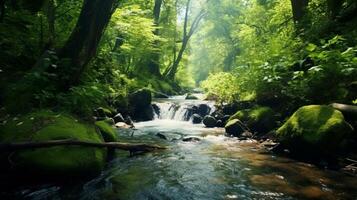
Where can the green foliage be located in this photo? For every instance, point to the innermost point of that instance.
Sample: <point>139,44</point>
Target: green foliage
<point>221,86</point>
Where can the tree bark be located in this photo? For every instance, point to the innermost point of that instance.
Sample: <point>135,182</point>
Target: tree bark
<point>2,10</point>
<point>299,9</point>
<point>53,143</point>
<point>51,11</point>
<point>154,60</point>
<point>82,44</point>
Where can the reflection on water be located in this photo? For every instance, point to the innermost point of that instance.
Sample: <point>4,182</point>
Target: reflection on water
<point>216,167</point>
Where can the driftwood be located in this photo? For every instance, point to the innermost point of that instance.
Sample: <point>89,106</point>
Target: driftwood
<point>345,109</point>
<point>52,143</point>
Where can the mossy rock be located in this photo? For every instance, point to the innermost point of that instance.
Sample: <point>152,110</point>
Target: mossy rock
<point>69,161</point>
<point>314,129</point>
<point>234,128</point>
<point>259,119</point>
<point>107,131</point>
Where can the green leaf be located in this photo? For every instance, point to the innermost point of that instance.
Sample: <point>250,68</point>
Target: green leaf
<point>311,47</point>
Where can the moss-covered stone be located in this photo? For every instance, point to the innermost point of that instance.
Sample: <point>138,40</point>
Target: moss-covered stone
<point>314,129</point>
<point>260,119</point>
<point>55,161</point>
<point>107,131</point>
<point>234,127</point>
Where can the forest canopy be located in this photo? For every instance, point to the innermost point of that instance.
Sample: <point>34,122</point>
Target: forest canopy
<point>91,53</point>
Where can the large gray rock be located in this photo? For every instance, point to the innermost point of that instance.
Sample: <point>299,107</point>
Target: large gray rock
<point>209,121</point>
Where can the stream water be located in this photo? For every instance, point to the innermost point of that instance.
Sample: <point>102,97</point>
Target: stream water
<point>215,167</point>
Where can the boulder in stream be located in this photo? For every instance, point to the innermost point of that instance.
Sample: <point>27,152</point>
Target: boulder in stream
<point>259,119</point>
<point>191,139</point>
<point>209,121</point>
<point>140,101</point>
<point>235,128</point>
<point>203,109</point>
<point>314,130</point>
<point>196,119</point>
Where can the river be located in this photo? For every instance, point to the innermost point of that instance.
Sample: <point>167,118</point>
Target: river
<point>211,166</point>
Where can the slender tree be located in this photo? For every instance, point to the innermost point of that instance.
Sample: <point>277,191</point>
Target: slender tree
<point>171,71</point>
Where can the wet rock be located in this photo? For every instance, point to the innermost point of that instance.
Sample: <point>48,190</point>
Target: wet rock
<point>235,128</point>
<point>314,130</point>
<point>129,121</point>
<point>190,97</point>
<point>118,118</point>
<point>203,109</point>
<point>191,139</point>
<point>246,135</point>
<point>196,119</point>
<point>123,125</point>
<point>259,119</point>
<point>156,109</point>
<point>161,136</point>
<point>140,101</point>
<point>140,98</point>
<point>169,136</point>
<point>209,121</point>
<point>225,119</point>
<point>220,123</point>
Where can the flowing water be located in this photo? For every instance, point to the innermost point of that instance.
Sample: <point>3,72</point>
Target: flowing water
<point>213,167</point>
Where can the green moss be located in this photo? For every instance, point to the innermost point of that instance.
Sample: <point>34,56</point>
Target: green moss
<point>46,125</point>
<point>259,119</point>
<point>107,131</point>
<point>317,126</point>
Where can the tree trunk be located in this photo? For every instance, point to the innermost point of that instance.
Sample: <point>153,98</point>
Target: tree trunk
<point>334,7</point>
<point>152,63</point>
<point>299,9</point>
<point>51,10</point>
<point>171,71</point>
<point>2,10</point>
<point>82,44</point>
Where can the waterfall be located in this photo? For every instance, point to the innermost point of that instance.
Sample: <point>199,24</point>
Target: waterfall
<point>181,110</point>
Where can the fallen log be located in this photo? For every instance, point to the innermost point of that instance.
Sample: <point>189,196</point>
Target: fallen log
<point>14,146</point>
<point>349,110</point>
